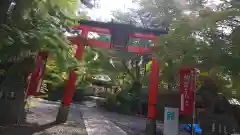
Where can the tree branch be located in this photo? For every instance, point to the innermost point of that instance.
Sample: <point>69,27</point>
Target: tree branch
<point>128,71</point>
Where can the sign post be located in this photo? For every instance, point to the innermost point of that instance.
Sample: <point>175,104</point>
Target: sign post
<point>171,121</point>
<point>193,88</point>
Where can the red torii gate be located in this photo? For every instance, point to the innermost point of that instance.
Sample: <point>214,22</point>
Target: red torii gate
<point>120,34</point>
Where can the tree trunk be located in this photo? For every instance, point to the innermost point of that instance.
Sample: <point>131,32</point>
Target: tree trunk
<point>170,83</point>
<point>12,103</point>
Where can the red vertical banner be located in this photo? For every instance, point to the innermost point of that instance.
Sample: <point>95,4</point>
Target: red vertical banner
<point>187,87</point>
<point>37,74</point>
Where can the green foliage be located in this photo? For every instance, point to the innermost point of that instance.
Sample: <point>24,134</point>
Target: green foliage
<point>194,41</point>
<point>29,26</point>
<point>37,25</point>
<point>200,37</point>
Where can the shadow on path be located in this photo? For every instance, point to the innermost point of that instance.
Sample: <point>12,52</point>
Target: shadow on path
<point>27,129</point>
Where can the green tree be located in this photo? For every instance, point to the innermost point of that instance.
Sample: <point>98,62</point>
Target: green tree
<point>29,26</point>
<point>198,37</point>
<point>192,40</point>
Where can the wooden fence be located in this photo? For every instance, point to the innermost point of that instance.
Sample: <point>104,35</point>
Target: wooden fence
<point>219,125</point>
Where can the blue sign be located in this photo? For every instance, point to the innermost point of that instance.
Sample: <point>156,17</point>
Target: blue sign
<point>170,115</point>
<point>171,122</point>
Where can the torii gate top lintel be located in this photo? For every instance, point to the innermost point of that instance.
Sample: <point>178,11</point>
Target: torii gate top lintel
<point>121,26</point>
<point>120,34</point>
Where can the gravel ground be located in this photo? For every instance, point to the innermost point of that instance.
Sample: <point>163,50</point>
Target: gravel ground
<point>84,119</point>
<point>40,121</point>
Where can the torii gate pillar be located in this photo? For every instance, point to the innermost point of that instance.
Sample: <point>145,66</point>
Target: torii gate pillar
<point>153,97</point>
<point>70,87</point>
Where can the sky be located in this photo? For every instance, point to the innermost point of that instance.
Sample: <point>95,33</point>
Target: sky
<point>107,6</point>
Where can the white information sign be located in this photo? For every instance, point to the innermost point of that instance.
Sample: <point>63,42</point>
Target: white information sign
<point>171,121</point>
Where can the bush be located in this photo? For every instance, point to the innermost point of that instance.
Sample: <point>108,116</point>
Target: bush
<point>110,103</point>
<point>130,103</point>
<point>79,95</point>
<point>55,94</point>
<point>124,102</point>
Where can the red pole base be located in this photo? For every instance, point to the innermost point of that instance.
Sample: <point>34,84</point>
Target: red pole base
<point>62,114</point>
<point>151,127</point>
<point>67,99</point>
<point>70,88</point>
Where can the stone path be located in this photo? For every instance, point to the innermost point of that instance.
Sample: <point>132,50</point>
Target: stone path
<point>106,123</point>
<point>84,119</point>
